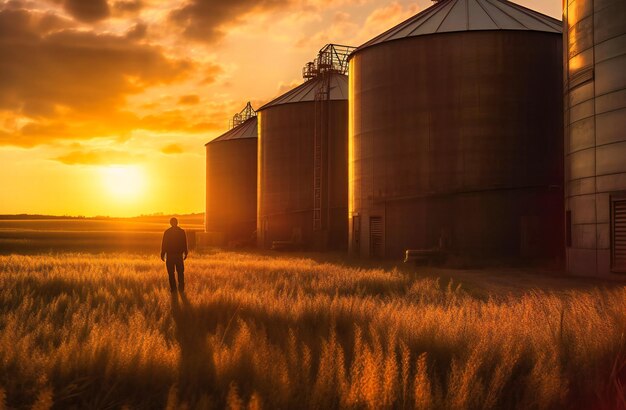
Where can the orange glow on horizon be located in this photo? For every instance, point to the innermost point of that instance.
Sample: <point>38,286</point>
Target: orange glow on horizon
<point>125,183</point>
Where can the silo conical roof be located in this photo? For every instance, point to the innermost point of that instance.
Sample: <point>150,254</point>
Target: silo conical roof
<point>306,92</point>
<point>248,129</point>
<point>469,15</point>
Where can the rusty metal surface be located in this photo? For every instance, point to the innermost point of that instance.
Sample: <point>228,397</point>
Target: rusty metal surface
<point>231,178</point>
<point>285,184</point>
<point>458,137</point>
<point>595,141</point>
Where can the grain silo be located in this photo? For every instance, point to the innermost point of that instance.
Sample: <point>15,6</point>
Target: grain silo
<point>595,136</point>
<point>456,134</point>
<point>231,177</point>
<point>303,182</point>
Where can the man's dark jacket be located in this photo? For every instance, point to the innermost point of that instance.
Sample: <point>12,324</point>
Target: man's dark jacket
<point>174,242</point>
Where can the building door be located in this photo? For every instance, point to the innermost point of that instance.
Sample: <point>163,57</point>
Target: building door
<point>376,236</point>
<point>356,234</point>
<point>618,235</point>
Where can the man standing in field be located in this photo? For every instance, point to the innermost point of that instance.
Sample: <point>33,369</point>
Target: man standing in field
<point>174,252</point>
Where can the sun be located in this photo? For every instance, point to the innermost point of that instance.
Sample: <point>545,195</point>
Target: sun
<point>123,182</point>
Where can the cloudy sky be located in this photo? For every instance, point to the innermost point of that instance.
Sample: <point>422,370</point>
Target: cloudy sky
<point>105,105</point>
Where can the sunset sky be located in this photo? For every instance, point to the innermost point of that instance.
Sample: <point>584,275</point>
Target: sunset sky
<point>105,107</point>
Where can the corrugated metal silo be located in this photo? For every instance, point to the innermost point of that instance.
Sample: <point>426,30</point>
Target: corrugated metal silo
<point>456,134</point>
<point>595,135</point>
<point>303,184</point>
<point>231,178</point>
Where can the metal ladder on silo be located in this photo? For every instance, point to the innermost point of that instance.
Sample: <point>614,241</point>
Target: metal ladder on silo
<point>322,96</point>
<point>331,59</point>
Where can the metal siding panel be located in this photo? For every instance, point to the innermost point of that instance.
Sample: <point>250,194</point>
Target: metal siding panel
<point>603,233</point>
<point>611,183</point>
<point>610,158</point>
<point>231,189</point>
<point>610,102</point>
<point>580,94</point>
<point>597,43</point>
<point>581,111</point>
<point>578,10</point>
<point>610,127</point>
<point>286,133</point>
<point>611,48</point>
<point>527,20</point>
<point>580,62</point>
<point>583,209</point>
<point>503,20</point>
<point>456,134</point>
<point>609,21</point>
<point>580,36</point>
<point>584,236</point>
<point>430,25</point>
<point>479,19</point>
<point>581,134</point>
<point>581,186</point>
<point>611,75</point>
<point>582,164</point>
<point>603,208</point>
<point>456,19</point>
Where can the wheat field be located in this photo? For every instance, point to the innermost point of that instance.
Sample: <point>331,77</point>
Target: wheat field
<point>254,331</point>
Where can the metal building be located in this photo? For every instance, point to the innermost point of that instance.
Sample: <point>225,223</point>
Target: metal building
<point>231,177</point>
<point>303,170</point>
<point>595,135</point>
<point>456,134</point>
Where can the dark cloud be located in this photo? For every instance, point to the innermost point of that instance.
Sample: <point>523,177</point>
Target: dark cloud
<point>138,32</point>
<point>19,24</point>
<point>189,99</point>
<point>87,10</point>
<point>172,149</point>
<point>51,22</point>
<point>205,20</point>
<point>74,68</point>
<point>76,77</point>
<point>127,7</point>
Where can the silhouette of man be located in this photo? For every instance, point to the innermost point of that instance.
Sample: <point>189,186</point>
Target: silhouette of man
<point>174,252</point>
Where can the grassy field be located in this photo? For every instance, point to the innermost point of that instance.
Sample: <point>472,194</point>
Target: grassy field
<point>258,331</point>
<point>30,234</point>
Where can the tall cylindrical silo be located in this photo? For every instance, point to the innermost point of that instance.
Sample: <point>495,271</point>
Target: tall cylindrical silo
<point>595,136</point>
<point>302,174</point>
<point>231,178</point>
<point>456,134</point>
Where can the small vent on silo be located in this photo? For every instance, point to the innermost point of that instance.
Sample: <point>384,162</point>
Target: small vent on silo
<point>376,236</point>
<point>619,235</point>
